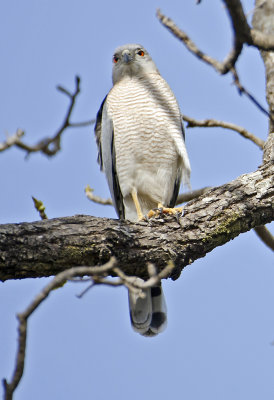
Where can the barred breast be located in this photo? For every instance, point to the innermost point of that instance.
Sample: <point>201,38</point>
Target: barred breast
<point>148,141</point>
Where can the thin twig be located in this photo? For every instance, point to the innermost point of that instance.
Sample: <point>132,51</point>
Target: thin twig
<point>11,140</point>
<point>39,206</point>
<point>96,199</point>
<point>132,283</point>
<point>182,198</point>
<point>210,123</point>
<point>51,145</point>
<point>242,90</point>
<point>265,235</point>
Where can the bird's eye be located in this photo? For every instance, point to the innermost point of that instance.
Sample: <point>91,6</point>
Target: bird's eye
<point>115,59</point>
<point>141,53</point>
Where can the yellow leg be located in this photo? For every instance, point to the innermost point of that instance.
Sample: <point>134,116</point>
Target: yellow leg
<point>137,204</point>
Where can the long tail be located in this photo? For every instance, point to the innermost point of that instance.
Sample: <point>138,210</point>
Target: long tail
<point>148,314</point>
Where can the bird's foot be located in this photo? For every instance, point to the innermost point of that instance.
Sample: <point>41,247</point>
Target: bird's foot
<point>160,210</point>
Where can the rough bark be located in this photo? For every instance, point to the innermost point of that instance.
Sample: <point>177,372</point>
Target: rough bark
<point>47,247</point>
<point>263,21</point>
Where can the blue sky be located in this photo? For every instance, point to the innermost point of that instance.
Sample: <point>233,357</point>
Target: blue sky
<point>218,341</point>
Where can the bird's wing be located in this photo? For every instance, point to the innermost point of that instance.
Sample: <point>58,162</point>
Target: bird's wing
<point>97,131</point>
<point>104,132</point>
<point>177,182</point>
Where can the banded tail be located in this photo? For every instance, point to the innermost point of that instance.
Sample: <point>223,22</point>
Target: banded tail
<point>148,315</point>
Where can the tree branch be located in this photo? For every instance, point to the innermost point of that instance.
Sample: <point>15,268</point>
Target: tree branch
<point>221,67</point>
<point>263,21</point>
<point>51,145</point>
<point>242,34</point>
<point>193,194</point>
<point>11,140</point>
<point>47,247</point>
<point>265,236</point>
<point>96,276</point>
<point>261,231</point>
<point>58,281</point>
<point>182,198</point>
<point>40,207</point>
<point>210,123</point>
<point>243,90</point>
<point>97,199</point>
<point>242,30</point>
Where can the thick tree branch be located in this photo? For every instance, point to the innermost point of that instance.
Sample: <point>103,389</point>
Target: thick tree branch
<point>242,30</point>
<point>47,247</point>
<point>263,21</point>
<point>261,231</point>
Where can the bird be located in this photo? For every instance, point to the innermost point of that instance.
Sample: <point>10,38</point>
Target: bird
<point>141,149</point>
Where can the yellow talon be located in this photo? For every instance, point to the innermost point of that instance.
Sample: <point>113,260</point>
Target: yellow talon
<point>166,210</point>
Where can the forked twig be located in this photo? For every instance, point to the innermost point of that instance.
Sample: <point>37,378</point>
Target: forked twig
<point>98,275</point>
<point>50,145</point>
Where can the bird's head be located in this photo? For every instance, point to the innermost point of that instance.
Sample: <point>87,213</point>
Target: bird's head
<point>131,60</point>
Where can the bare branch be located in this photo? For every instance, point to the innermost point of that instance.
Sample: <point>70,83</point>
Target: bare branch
<point>242,34</point>
<point>97,276</point>
<point>210,220</point>
<point>261,41</point>
<point>211,123</point>
<point>96,199</point>
<point>50,145</point>
<point>237,16</point>
<point>135,284</point>
<point>242,30</point>
<point>58,281</point>
<point>81,124</point>
<point>242,90</point>
<point>261,231</point>
<point>11,140</point>
<point>39,206</point>
<point>182,198</point>
<point>265,235</point>
<point>263,21</point>
<point>221,67</point>
<point>193,194</point>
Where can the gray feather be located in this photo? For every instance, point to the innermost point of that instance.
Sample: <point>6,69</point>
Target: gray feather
<point>106,156</point>
<point>148,315</point>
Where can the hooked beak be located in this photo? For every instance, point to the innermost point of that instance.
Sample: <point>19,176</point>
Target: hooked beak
<point>127,57</point>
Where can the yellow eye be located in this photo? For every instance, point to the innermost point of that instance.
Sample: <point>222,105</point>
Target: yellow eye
<point>141,53</point>
<point>115,59</point>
